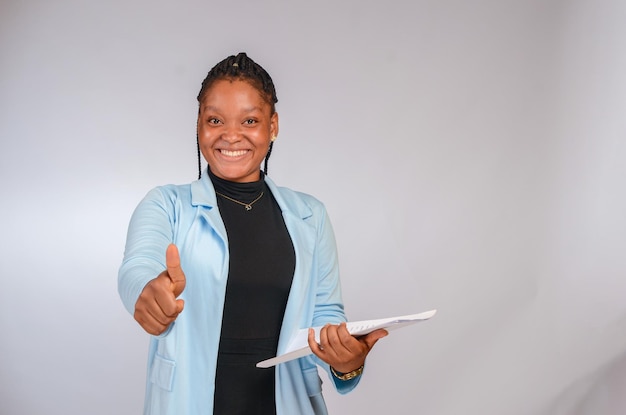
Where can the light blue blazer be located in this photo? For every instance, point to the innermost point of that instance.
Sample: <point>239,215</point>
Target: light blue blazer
<point>182,361</point>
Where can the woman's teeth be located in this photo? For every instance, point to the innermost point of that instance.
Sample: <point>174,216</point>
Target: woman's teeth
<point>234,153</point>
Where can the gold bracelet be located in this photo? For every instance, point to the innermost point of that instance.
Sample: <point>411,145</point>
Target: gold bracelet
<point>349,375</point>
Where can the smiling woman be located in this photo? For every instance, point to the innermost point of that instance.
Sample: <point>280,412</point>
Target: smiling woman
<point>225,282</point>
<point>243,69</point>
<point>236,127</point>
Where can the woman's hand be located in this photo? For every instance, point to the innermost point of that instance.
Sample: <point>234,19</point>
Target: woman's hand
<point>157,306</point>
<point>341,350</point>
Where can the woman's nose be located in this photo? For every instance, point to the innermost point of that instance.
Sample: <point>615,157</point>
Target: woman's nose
<point>231,134</point>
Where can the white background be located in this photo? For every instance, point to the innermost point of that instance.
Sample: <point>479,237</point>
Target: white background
<point>471,156</point>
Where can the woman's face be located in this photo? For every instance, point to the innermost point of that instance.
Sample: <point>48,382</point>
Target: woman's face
<point>235,127</point>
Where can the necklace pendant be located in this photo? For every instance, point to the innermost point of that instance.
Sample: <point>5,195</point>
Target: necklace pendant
<point>247,206</point>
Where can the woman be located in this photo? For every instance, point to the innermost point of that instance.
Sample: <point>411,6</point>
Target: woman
<point>224,271</point>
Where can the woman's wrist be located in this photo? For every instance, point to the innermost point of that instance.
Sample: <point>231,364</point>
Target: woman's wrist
<point>348,375</point>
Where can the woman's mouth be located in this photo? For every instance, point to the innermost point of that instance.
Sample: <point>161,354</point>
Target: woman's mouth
<point>233,153</point>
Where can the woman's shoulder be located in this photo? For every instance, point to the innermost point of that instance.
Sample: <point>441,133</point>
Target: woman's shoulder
<point>298,195</point>
<point>295,200</point>
<point>169,193</point>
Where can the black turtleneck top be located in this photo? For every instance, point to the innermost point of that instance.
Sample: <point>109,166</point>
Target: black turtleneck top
<point>261,267</point>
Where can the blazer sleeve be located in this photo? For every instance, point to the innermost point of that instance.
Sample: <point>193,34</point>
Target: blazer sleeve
<point>149,233</point>
<point>328,302</point>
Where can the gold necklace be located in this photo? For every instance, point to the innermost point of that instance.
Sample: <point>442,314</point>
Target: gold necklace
<point>248,206</point>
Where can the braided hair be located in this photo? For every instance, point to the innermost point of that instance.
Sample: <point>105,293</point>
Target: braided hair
<point>240,67</point>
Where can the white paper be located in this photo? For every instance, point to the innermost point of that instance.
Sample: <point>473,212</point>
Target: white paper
<point>299,346</point>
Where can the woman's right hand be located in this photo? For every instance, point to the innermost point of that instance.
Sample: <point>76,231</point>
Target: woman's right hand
<point>157,306</point>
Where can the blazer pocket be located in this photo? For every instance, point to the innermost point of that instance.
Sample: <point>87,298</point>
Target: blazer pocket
<point>162,373</point>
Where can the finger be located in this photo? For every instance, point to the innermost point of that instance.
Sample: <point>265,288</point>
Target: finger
<point>157,299</point>
<point>168,304</point>
<point>346,341</point>
<point>150,324</point>
<point>158,318</point>
<point>331,340</point>
<point>180,304</point>
<point>371,338</point>
<point>324,337</point>
<point>175,272</point>
<point>334,337</point>
<point>315,347</point>
<point>344,352</point>
<point>343,333</point>
<point>153,327</point>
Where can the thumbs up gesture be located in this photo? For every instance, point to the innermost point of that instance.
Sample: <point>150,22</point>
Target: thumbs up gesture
<point>157,306</point>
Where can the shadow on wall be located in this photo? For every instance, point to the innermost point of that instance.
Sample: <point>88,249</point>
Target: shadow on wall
<point>600,392</point>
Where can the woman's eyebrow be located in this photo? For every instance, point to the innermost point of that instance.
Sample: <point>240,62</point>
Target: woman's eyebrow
<point>245,110</point>
<point>252,109</point>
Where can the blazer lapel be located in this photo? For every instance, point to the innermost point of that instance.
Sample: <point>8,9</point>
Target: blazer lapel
<point>298,312</point>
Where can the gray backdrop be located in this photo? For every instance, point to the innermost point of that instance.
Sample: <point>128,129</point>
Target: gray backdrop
<point>471,156</point>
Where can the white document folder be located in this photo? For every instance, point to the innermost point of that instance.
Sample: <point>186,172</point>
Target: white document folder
<point>299,345</point>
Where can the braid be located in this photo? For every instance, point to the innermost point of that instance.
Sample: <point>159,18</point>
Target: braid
<point>240,67</point>
<point>198,150</point>
<point>267,157</point>
<point>199,158</point>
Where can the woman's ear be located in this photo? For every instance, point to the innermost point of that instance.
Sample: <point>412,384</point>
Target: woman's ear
<point>274,125</point>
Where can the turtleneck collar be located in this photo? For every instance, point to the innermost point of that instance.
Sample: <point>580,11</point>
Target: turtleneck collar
<point>245,192</point>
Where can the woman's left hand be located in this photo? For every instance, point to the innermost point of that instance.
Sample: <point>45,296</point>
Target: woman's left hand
<point>341,350</point>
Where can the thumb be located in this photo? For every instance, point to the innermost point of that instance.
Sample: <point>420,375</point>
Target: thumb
<point>175,272</point>
<point>371,339</point>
